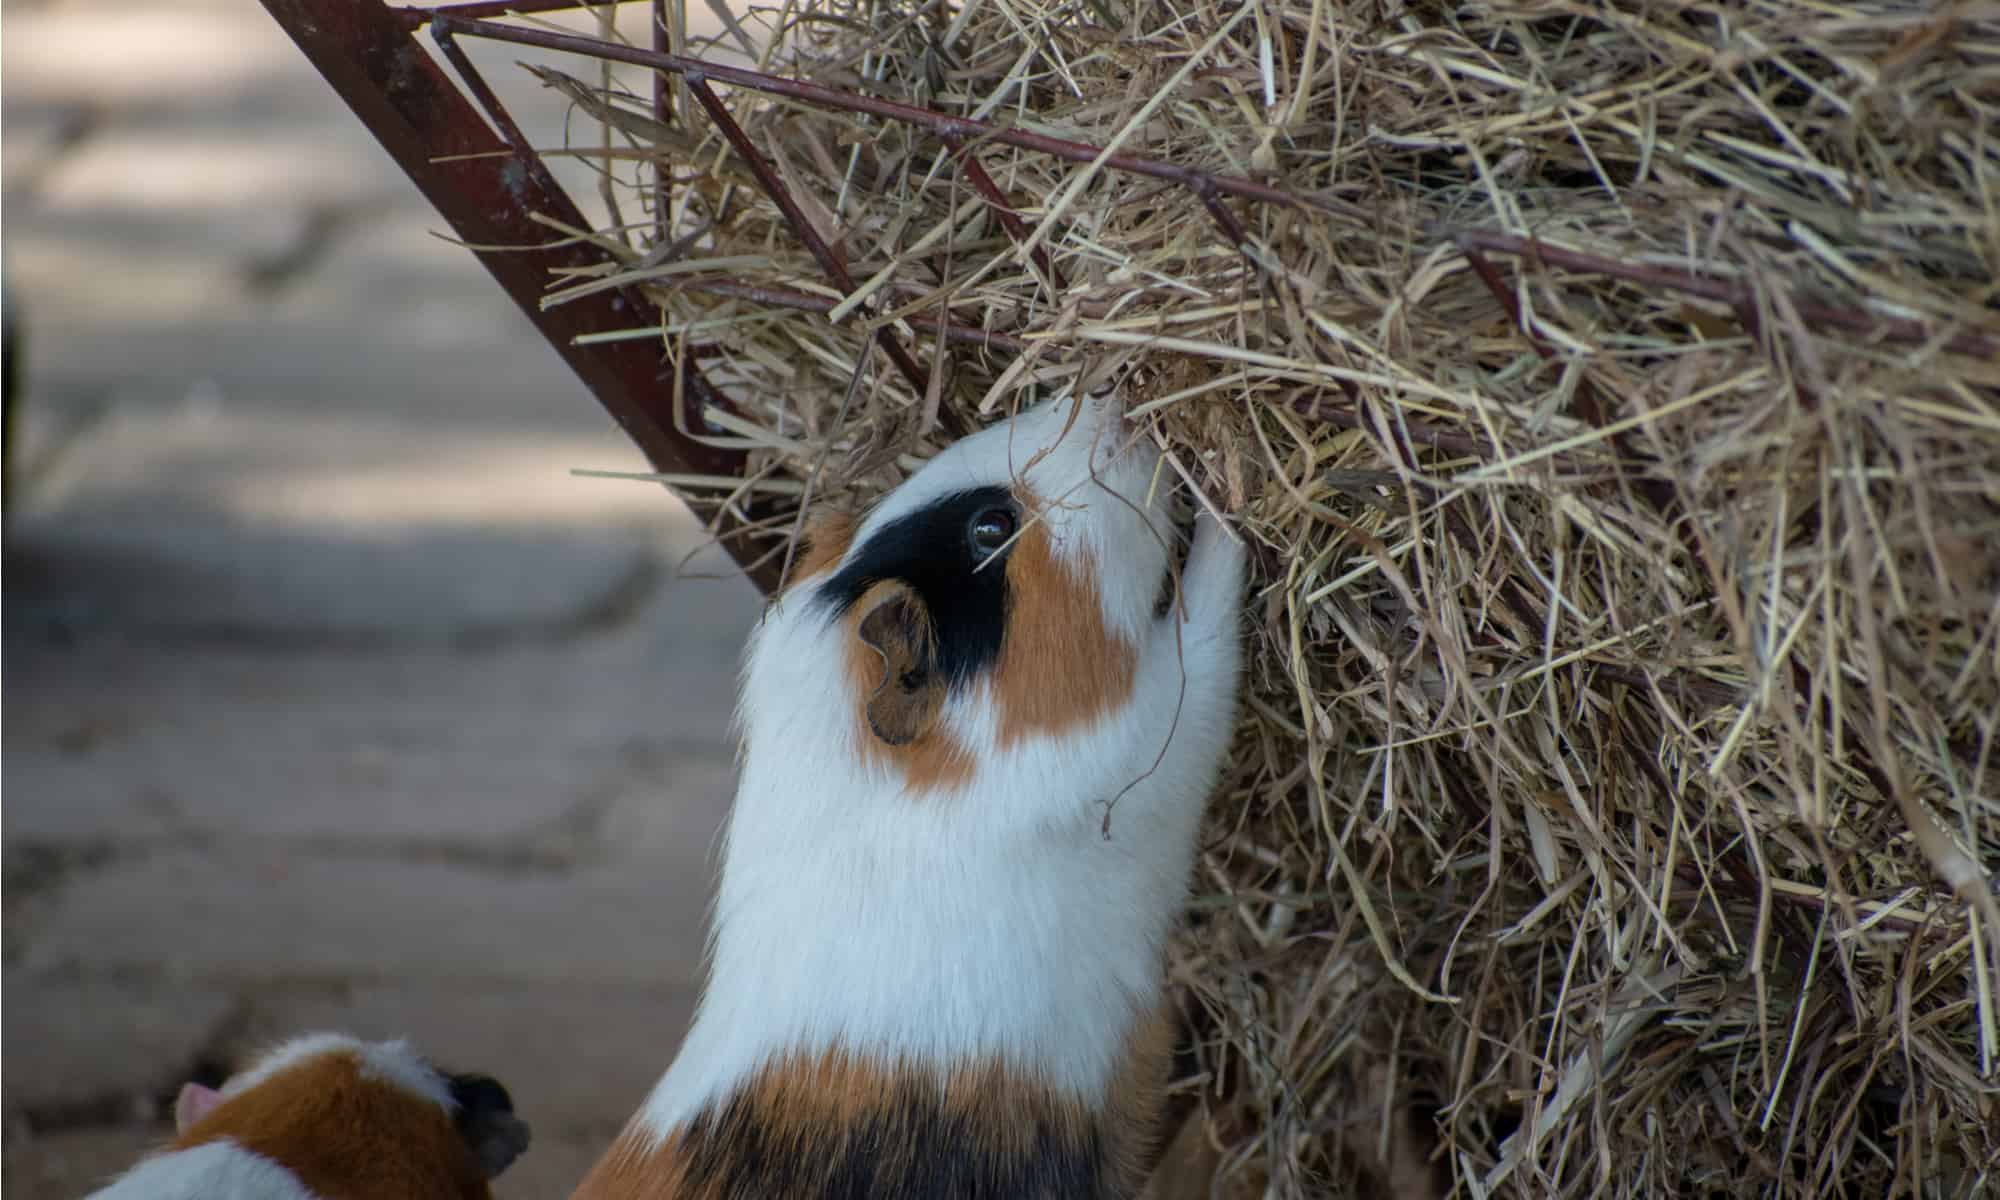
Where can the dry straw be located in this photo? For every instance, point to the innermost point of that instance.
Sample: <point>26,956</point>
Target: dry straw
<point>1614,811</point>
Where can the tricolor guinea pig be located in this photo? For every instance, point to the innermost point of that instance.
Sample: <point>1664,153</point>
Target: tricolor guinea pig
<point>936,968</point>
<point>330,1117</point>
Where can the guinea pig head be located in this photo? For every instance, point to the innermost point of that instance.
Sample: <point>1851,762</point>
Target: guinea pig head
<point>999,598</point>
<point>328,1114</point>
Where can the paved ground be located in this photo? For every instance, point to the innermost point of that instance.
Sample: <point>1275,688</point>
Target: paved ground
<point>332,698</point>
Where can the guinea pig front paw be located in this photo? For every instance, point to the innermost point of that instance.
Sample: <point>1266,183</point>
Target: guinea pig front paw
<point>1212,580</point>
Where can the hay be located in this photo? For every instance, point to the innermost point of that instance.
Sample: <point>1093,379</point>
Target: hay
<point>1614,810</point>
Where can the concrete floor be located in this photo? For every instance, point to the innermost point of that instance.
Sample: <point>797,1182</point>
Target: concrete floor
<point>332,698</point>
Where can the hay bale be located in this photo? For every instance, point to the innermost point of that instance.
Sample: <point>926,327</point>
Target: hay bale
<point>1614,810</point>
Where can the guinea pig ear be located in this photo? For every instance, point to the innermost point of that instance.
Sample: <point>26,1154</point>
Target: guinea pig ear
<point>193,1103</point>
<point>486,1122</point>
<point>906,702</point>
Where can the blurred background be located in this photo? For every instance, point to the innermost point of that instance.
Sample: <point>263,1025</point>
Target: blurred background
<point>332,698</point>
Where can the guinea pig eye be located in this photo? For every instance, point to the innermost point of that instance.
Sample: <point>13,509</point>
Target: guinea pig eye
<point>989,530</point>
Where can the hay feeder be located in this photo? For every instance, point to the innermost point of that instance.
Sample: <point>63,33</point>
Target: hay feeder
<point>1612,397</point>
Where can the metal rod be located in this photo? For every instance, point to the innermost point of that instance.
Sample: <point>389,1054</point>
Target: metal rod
<point>1832,316</point>
<point>488,196</point>
<point>663,112</point>
<point>796,217</point>
<point>1589,407</point>
<point>1225,220</point>
<point>942,124</point>
<point>416,18</point>
<point>482,92</point>
<point>1586,402</point>
<point>975,174</point>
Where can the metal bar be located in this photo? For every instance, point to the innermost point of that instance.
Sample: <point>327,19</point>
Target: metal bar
<point>1450,441</point>
<point>942,124</point>
<point>1831,316</point>
<point>488,195</point>
<point>475,83</point>
<point>416,18</point>
<point>1587,405</point>
<point>796,218</point>
<point>1224,219</point>
<point>975,174</point>
<point>663,112</point>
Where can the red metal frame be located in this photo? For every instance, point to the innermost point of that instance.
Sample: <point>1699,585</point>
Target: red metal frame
<point>488,192</point>
<point>489,187</point>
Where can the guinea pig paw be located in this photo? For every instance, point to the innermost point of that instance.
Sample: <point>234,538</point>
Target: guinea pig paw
<point>1212,580</point>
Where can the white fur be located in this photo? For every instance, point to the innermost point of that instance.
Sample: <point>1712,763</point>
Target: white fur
<point>390,1062</point>
<point>995,922</point>
<point>218,1170</point>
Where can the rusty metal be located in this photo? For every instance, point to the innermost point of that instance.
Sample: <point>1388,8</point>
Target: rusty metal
<point>488,194</point>
<point>942,124</point>
<point>488,189</point>
<point>663,112</point>
<point>491,189</point>
<point>1211,199</point>
<point>503,120</point>
<point>975,174</point>
<point>1740,297</point>
<point>482,9</point>
<point>802,226</point>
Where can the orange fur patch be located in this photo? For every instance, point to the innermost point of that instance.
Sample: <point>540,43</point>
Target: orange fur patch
<point>1061,667</point>
<point>1137,1098</point>
<point>808,1122</point>
<point>343,1134</point>
<point>935,761</point>
<point>635,1169</point>
<point>826,537</point>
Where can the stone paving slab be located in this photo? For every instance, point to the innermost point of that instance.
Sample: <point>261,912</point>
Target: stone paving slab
<point>247,913</point>
<point>136,52</point>
<point>240,521</point>
<point>335,698</point>
<point>179,72</point>
<point>79,1050</point>
<point>72,1163</point>
<point>218,168</point>
<point>551,1169</point>
<point>566,747</point>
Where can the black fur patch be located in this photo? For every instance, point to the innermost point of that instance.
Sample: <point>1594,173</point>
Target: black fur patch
<point>907,1147</point>
<point>477,1095</point>
<point>486,1122</point>
<point>929,551</point>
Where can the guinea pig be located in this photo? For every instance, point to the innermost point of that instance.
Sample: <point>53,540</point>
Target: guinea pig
<point>330,1117</point>
<point>978,731</point>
